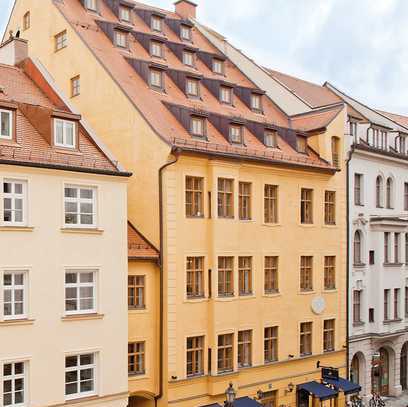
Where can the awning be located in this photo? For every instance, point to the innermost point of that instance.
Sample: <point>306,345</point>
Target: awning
<point>246,402</point>
<point>344,385</point>
<point>318,390</point>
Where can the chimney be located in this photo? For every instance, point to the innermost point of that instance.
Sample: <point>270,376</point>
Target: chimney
<point>13,51</point>
<point>186,8</point>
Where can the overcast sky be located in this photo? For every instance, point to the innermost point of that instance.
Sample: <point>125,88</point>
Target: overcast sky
<point>361,46</point>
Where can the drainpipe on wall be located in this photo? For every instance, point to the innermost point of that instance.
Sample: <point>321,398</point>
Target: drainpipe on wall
<point>175,152</point>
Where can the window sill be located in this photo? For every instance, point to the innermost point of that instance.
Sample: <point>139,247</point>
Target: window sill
<point>307,292</point>
<point>85,231</point>
<point>82,317</point>
<point>225,297</point>
<point>16,228</point>
<point>334,226</point>
<point>246,295</point>
<point>137,376</point>
<point>393,264</point>
<point>358,324</point>
<point>359,265</point>
<point>392,321</point>
<point>307,225</point>
<point>79,399</point>
<point>17,322</point>
<point>195,217</point>
<point>330,290</point>
<point>272,294</point>
<point>68,150</point>
<point>271,225</point>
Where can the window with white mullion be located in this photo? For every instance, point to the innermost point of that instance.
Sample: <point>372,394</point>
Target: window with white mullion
<point>13,202</point>
<point>80,206</point>
<point>14,295</point>
<point>6,124</point>
<point>64,133</point>
<point>80,374</point>
<point>14,384</point>
<point>80,292</point>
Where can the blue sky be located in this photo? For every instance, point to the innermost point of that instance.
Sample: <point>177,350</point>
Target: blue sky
<point>361,46</point>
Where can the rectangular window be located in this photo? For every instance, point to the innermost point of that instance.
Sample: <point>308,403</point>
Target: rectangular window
<point>192,88</point>
<point>396,302</point>
<point>121,39</point>
<point>195,356</point>
<point>14,295</point>
<point>26,21</point>
<point>396,247</point>
<point>235,134</point>
<point>125,14</point>
<point>225,276</point>
<point>156,23</point>
<point>14,202</point>
<point>137,292</point>
<point>80,376</point>
<point>406,302</point>
<point>225,198</point>
<point>185,32</point>
<point>371,315</point>
<point>371,257</point>
<point>226,95</point>
<point>358,189</point>
<point>306,273</point>
<point>406,248</point>
<point>328,335</point>
<point>14,384</point>
<point>271,344</point>
<point>6,124</point>
<point>188,58</point>
<point>198,127</point>
<point>386,247</point>
<point>244,348</point>
<point>194,197</point>
<point>245,275</point>
<point>80,206</point>
<point>301,144</point>
<point>156,49</point>
<point>329,272</point>
<point>60,40</point>
<point>256,102</point>
<point>245,200</point>
<point>136,358</point>
<point>225,353</point>
<point>305,338</point>
<point>406,196</point>
<point>306,206</point>
<point>386,304</point>
<point>64,133</point>
<point>356,306</point>
<point>75,86</point>
<point>218,66</point>
<point>195,277</point>
<point>91,5</point>
<point>271,285</point>
<point>270,204</point>
<point>271,138</point>
<point>330,208</point>
<point>156,79</point>
<point>80,292</point>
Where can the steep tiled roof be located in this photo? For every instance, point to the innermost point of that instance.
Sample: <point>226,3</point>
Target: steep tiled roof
<point>316,120</point>
<point>160,109</point>
<point>313,94</point>
<point>398,118</point>
<point>20,93</point>
<point>139,247</point>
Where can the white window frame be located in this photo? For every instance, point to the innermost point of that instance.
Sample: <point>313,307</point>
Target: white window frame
<point>125,11</point>
<point>13,377</point>
<point>78,200</point>
<point>78,368</point>
<point>78,285</point>
<point>185,29</point>
<point>13,196</point>
<point>220,63</point>
<point>91,5</point>
<point>158,46</point>
<point>258,97</point>
<point>10,114</point>
<point>156,23</point>
<point>122,35</point>
<point>13,288</point>
<point>65,123</point>
<point>186,56</point>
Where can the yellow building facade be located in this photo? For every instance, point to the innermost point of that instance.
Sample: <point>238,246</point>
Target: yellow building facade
<point>208,318</point>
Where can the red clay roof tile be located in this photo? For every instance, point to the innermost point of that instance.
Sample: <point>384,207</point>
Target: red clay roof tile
<point>139,247</point>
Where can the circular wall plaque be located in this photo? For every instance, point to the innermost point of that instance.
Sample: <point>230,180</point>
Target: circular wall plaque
<point>318,305</point>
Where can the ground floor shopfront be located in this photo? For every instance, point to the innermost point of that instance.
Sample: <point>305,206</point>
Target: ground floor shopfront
<point>380,364</point>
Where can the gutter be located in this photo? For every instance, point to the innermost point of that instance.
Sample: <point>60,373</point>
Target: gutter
<point>175,152</point>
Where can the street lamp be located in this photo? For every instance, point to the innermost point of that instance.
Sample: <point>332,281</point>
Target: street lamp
<point>230,396</point>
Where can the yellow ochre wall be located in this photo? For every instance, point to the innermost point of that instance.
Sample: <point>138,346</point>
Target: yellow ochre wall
<point>135,145</point>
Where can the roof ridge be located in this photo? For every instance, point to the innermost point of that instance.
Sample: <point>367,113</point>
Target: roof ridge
<point>293,77</point>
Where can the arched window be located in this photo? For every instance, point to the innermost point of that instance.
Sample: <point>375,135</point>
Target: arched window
<point>355,370</point>
<point>378,192</point>
<point>389,193</point>
<point>357,247</point>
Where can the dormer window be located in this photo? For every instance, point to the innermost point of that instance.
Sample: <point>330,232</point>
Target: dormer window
<point>6,123</point>
<point>156,49</point>
<point>198,127</point>
<point>271,138</point>
<point>121,39</point>
<point>301,144</point>
<point>400,144</point>
<point>218,66</point>
<point>91,5</point>
<point>185,32</point>
<point>125,14</point>
<point>156,80</point>
<point>188,58</point>
<point>226,95</point>
<point>192,88</point>
<point>235,134</point>
<point>156,23</point>
<point>64,133</point>
<point>256,102</point>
